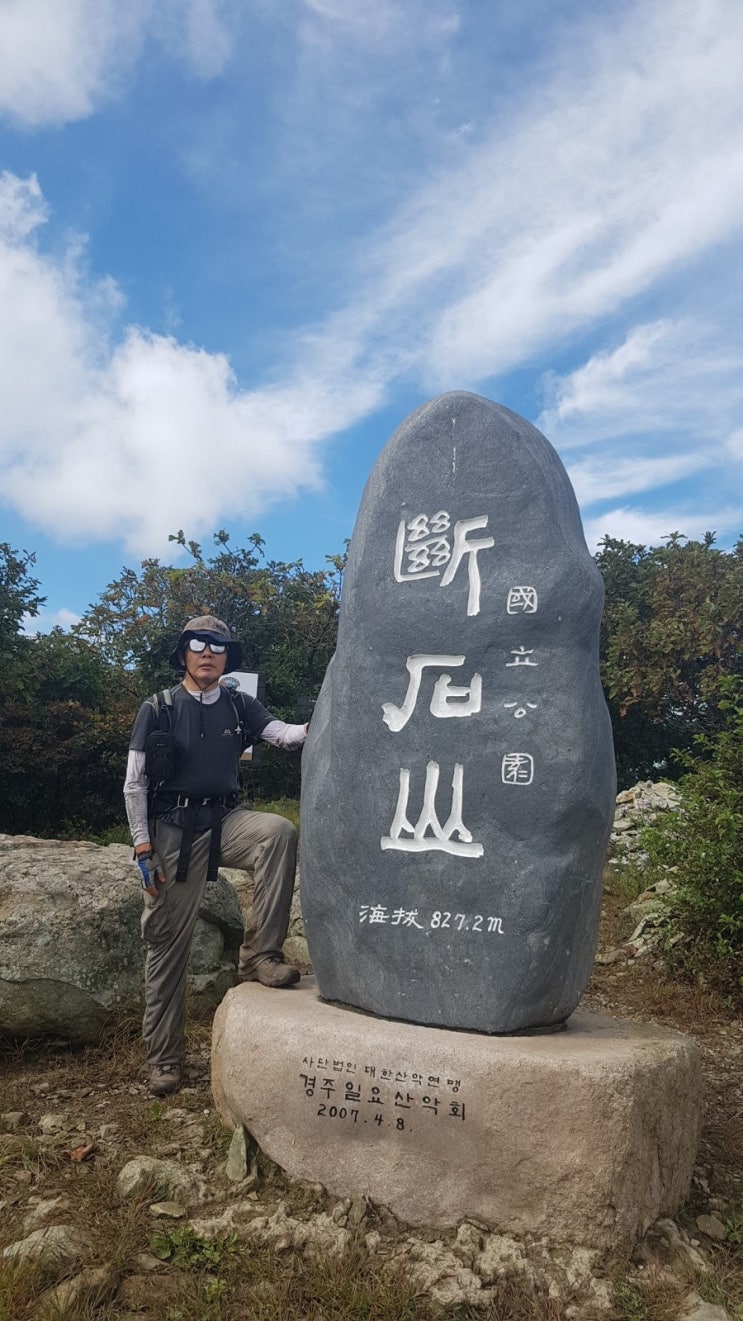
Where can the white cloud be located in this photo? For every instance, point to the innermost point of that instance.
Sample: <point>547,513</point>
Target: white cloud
<point>650,527</point>
<point>135,439</point>
<point>60,59</point>
<point>597,479</point>
<point>46,620</point>
<point>682,378</point>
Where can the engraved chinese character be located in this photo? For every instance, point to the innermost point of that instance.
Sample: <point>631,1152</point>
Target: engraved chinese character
<point>423,548</point>
<point>406,917</point>
<point>448,700</point>
<point>517,768</point>
<point>462,548</point>
<point>522,601</point>
<point>522,655</point>
<point>415,840</point>
<point>409,919</point>
<point>378,913</point>
<point>521,708</point>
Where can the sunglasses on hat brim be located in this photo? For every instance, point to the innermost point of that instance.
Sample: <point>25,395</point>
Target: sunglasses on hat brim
<point>199,644</point>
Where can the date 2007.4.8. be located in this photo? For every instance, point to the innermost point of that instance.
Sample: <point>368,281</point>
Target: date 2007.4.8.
<point>343,1112</point>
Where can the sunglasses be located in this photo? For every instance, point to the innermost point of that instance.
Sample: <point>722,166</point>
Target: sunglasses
<point>200,644</point>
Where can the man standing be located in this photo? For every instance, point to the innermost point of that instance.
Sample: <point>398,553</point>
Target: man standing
<point>181,794</point>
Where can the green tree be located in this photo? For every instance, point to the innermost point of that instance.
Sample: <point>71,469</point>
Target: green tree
<point>284,615</point>
<point>672,630</point>
<point>63,739</point>
<point>19,596</point>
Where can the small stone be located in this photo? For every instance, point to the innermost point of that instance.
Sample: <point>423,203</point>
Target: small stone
<point>146,1174</point>
<point>146,1261</point>
<point>696,1309</point>
<point>12,1121</point>
<point>373,1240</point>
<point>43,1210</point>
<point>52,1123</point>
<point>236,1168</point>
<point>168,1210</point>
<point>23,1176</point>
<point>712,1227</point>
<point>339,1214</point>
<point>606,957</point>
<point>136,1293</point>
<point>54,1249</point>
<point>468,1243</point>
<point>92,1286</point>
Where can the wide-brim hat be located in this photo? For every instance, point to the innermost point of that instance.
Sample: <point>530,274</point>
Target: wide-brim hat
<point>212,630</point>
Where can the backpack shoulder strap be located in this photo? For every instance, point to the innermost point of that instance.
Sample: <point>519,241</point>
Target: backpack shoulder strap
<point>162,704</point>
<point>238,702</point>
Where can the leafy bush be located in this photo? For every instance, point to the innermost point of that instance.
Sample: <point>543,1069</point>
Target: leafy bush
<point>703,843</point>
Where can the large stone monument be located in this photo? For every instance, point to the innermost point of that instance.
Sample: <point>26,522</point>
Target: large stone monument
<point>458,792</point>
<point>458,784</point>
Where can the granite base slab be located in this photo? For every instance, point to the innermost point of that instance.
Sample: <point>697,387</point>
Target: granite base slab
<point>586,1135</point>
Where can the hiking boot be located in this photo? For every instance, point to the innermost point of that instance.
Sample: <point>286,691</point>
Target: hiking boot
<point>272,972</point>
<point>164,1079</point>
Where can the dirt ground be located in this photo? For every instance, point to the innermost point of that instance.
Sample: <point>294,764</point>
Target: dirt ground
<point>97,1098</point>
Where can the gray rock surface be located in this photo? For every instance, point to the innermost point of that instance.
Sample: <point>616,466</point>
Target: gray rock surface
<point>696,1309</point>
<point>147,1174</point>
<point>237,1156</point>
<point>89,1289</point>
<point>584,1136</point>
<point>53,1249</point>
<point>71,952</point>
<point>458,780</point>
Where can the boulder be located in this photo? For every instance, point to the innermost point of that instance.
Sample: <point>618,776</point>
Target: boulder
<point>71,952</point>
<point>584,1136</point>
<point>458,782</point>
<point>295,946</point>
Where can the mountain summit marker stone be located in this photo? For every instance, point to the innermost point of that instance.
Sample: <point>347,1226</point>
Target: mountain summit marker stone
<point>458,780</point>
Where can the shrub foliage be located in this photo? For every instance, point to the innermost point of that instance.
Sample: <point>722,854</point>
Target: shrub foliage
<point>703,843</point>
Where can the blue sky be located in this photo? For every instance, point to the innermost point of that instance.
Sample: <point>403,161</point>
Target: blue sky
<point>240,240</point>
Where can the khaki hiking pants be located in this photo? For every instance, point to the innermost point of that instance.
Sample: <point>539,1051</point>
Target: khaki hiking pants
<point>259,841</point>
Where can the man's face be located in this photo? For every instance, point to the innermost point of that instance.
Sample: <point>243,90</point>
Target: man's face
<point>203,667</point>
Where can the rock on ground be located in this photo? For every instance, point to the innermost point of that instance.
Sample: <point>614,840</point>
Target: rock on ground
<point>90,1288</point>
<point>622,1099</point>
<point>54,1249</point>
<point>72,952</point>
<point>147,1175</point>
